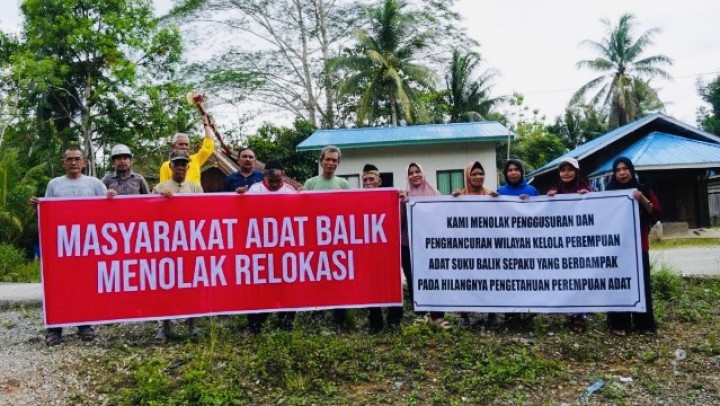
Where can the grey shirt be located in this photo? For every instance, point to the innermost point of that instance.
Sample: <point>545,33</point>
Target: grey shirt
<point>83,186</point>
<point>133,184</point>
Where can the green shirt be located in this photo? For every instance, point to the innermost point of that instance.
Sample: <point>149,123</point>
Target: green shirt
<point>322,183</point>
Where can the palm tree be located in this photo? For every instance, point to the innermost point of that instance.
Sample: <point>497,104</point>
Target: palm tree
<point>468,99</point>
<point>381,72</point>
<point>624,84</point>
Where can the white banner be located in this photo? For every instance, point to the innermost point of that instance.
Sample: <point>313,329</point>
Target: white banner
<point>567,253</point>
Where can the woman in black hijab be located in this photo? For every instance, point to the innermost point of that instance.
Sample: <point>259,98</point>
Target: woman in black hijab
<point>624,177</point>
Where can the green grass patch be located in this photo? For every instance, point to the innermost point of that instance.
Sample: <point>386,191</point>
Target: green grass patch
<point>684,242</point>
<point>538,361</point>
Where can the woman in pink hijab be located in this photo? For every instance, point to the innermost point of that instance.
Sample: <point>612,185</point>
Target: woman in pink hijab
<point>417,185</point>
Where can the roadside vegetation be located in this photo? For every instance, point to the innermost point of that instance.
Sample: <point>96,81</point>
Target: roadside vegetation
<point>684,242</point>
<point>539,361</point>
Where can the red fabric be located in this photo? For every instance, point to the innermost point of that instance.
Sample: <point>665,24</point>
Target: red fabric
<point>78,290</point>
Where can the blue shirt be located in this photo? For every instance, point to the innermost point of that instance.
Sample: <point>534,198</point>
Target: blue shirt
<point>521,189</point>
<point>236,180</point>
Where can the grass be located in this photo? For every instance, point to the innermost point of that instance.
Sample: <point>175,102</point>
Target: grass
<point>25,272</point>
<point>684,242</point>
<point>539,363</point>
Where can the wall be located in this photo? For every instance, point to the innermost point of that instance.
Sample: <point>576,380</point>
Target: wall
<point>432,158</point>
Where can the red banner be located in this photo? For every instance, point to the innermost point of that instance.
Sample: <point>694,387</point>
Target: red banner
<point>142,258</point>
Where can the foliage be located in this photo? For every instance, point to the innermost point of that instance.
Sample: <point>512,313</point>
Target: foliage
<point>11,259</point>
<point>85,72</point>
<point>381,72</point>
<point>535,145</point>
<point>469,99</point>
<point>579,125</point>
<point>273,142</point>
<point>624,86</point>
<point>709,120</point>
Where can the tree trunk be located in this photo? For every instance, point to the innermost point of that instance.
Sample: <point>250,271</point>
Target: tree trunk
<point>86,130</point>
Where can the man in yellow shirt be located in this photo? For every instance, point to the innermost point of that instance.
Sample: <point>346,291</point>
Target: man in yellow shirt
<point>181,142</point>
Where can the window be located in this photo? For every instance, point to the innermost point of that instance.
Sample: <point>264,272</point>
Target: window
<point>353,180</point>
<point>450,181</point>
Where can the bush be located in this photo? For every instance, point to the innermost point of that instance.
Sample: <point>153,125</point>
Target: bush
<point>667,284</point>
<point>14,267</point>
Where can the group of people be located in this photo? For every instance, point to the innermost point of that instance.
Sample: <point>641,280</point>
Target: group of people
<point>181,174</point>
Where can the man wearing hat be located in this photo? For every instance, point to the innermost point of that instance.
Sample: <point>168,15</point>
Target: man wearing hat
<point>124,181</point>
<point>179,167</point>
<point>371,180</point>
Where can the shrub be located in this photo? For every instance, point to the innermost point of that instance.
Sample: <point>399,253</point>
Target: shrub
<point>10,259</point>
<point>667,284</point>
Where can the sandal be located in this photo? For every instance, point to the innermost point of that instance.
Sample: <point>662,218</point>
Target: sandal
<point>86,334</point>
<point>442,324</point>
<point>53,339</point>
<point>160,337</point>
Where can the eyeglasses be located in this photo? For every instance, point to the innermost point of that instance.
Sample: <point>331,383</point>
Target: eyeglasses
<point>73,159</point>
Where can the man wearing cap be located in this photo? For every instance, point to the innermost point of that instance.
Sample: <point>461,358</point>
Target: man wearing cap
<point>181,142</point>
<point>180,165</point>
<point>179,162</point>
<point>272,183</point>
<point>248,175</point>
<point>371,180</point>
<point>124,181</point>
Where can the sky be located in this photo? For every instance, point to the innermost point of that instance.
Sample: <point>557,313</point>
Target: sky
<point>535,44</point>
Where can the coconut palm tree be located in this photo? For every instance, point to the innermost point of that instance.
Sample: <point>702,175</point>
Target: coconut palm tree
<point>624,87</point>
<point>469,99</point>
<point>380,72</point>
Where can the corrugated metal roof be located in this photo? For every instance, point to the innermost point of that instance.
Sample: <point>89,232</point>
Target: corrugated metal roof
<point>666,151</point>
<point>368,137</point>
<point>592,146</point>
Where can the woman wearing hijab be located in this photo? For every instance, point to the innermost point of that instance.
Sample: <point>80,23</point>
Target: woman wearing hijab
<point>515,184</point>
<point>624,177</point>
<point>571,182</point>
<point>417,185</point>
<point>475,186</point>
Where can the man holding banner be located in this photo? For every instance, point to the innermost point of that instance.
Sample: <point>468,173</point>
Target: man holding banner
<point>72,184</point>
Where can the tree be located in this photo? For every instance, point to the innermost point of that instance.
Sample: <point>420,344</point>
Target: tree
<point>579,125</point>
<point>709,120</point>
<point>285,66</point>
<point>273,142</point>
<point>85,71</point>
<point>469,99</point>
<point>624,86</point>
<point>381,70</point>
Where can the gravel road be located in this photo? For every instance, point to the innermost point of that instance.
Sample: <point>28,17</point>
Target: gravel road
<point>33,374</point>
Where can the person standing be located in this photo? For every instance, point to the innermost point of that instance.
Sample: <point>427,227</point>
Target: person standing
<point>248,175</point>
<point>571,182</point>
<point>329,160</point>
<point>272,182</point>
<point>371,180</point>
<point>179,165</point>
<point>72,184</point>
<point>181,142</point>
<point>417,185</point>
<point>624,177</point>
<point>475,186</point>
<point>515,184</point>
<point>123,180</point>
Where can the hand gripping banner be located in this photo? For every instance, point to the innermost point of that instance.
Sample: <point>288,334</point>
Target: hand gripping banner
<point>141,258</point>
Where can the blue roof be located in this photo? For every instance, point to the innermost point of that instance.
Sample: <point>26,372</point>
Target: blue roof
<point>368,137</point>
<point>666,151</point>
<point>593,146</point>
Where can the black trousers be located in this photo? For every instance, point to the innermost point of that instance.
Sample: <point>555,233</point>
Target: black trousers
<point>641,321</point>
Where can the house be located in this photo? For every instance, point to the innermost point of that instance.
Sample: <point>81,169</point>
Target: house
<point>442,150</point>
<point>677,159</point>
